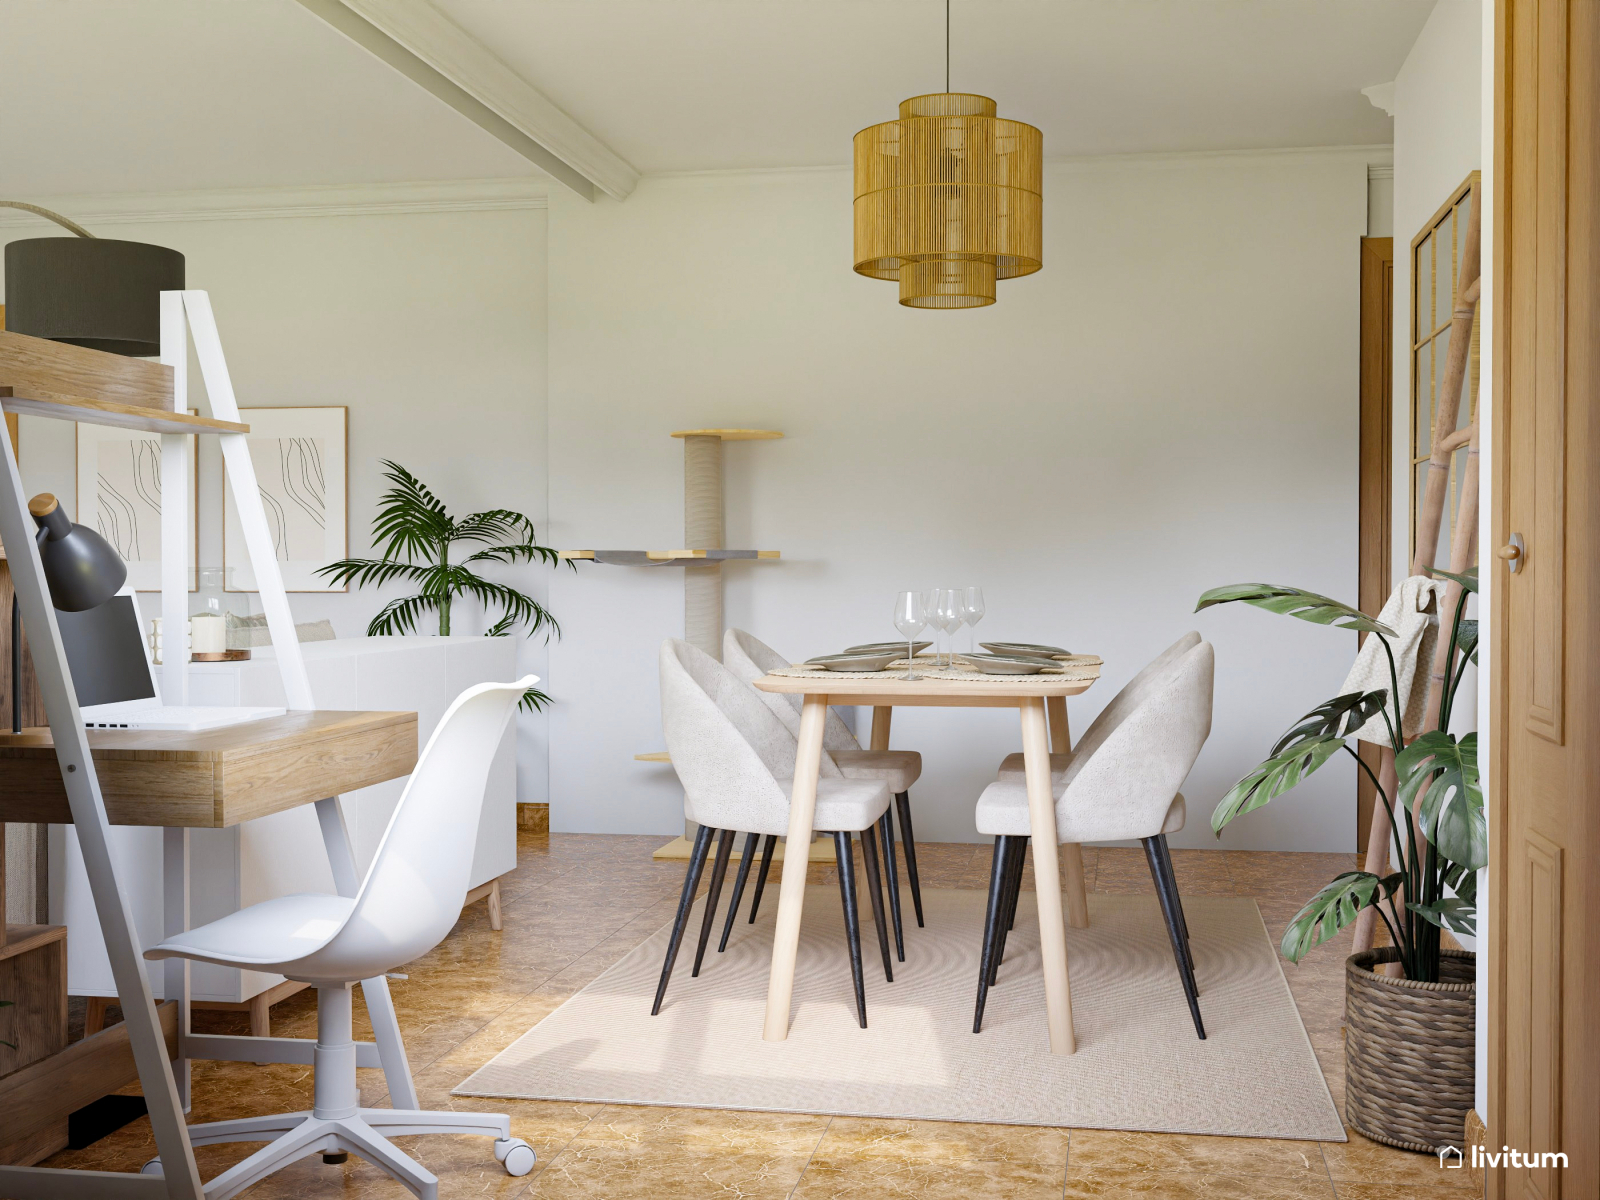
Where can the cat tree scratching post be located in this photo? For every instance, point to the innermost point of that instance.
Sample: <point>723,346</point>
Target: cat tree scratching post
<point>703,529</point>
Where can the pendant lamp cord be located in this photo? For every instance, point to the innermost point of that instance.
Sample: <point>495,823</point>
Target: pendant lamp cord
<point>63,221</point>
<point>947,45</point>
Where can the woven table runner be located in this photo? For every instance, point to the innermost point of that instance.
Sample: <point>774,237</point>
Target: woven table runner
<point>1073,666</point>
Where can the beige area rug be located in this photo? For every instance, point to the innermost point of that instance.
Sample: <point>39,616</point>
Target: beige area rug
<point>1138,1066</point>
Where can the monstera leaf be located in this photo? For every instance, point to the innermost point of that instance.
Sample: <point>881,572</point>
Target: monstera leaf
<point>1468,579</point>
<point>1277,775</point>
<point>1467,639</point>
<point>1333,908</point>
<point>1295,602</point>
<point>1339,717</point>
<point>1444,773</point>
<point>1457,913</point>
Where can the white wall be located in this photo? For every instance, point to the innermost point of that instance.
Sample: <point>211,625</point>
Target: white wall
<point>429,325</point>
<point>1170,405</point>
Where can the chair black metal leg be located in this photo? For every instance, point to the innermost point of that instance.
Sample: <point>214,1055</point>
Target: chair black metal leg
<point>1183,924</point>
<point>852,930</point>
<point>991,929</point>
<point>767,848</point>
<point>719,869</point>
<point>891,879</point>
<point>1166,891</point>
<point>746,856</point>
<point>869,859</point>
<point>1012,853</point>
<point>902,803</point>
<point>691,884</point>
<point>1015,895</point>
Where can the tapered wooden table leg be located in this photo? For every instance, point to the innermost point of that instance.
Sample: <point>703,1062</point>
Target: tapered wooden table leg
<point>1071,853</point>
<point>1046,874</point>
<point>881,716</point>
<point>792,890</point>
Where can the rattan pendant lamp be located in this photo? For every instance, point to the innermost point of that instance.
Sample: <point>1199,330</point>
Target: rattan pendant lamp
<point>948,199</point>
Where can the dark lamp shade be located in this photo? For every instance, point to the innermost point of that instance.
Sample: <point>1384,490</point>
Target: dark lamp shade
<point>80,567</point>
<point>93,292</point>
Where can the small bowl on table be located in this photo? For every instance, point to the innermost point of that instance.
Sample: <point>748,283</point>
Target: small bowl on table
<point>1007,664</point>
<point>858,661</point>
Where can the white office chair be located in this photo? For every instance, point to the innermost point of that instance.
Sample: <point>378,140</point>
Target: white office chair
<point>1119,707</point>
<point>748,657</point>
<point>736,763</point>
<point>1123,787</point>
<point>408,902</point>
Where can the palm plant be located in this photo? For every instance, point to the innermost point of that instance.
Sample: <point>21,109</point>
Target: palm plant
<point>1440,799</point>
<point>414,532</point>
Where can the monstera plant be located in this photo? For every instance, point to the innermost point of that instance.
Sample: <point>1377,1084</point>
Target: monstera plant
<point>1440,836</point>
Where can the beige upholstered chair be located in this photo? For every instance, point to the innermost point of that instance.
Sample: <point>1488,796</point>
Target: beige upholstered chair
<point>750,658</point>
<point>1124,786</point>
<point>1121,704</point>
<point>736,762</point>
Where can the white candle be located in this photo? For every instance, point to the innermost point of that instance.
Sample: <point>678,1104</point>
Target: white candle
<point>208,634</point>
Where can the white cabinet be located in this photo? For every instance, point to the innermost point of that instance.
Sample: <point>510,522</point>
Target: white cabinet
<point>283,853</point>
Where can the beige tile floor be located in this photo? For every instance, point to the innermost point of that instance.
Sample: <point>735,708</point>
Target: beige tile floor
<point>577,903</point>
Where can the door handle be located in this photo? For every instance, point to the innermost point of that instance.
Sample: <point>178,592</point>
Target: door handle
<point>1514,552</point>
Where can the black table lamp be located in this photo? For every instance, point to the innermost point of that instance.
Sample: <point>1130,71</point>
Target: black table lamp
<point>81,570</point>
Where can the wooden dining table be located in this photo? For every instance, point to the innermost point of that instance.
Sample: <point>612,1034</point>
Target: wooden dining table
<point>1041,700</point>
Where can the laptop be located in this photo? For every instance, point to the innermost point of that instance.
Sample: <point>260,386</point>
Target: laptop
<point>114,679</point>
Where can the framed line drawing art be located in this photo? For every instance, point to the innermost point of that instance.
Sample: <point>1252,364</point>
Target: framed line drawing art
<point>301,461</point>
<point>119,495</point>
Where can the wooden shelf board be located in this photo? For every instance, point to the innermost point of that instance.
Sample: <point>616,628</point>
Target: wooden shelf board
<point>667,556</point>
<point>730,435</point>
<point>107,412</point>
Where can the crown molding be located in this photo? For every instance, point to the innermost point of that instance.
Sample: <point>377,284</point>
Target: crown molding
<point>333,200</point>
<point>425,46</point>
<point>1379,157</point>
<point>1380,170</point>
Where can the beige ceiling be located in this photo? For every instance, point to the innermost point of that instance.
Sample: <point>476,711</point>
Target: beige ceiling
<point>162,95</point>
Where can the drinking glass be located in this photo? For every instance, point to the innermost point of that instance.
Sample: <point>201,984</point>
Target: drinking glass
<point>910,618</point>
<point>951,616</point>
<point>972,604</point>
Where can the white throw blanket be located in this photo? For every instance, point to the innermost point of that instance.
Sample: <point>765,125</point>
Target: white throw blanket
<point>1411,611</point>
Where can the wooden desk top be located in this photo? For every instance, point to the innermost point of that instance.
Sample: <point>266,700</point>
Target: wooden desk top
<point>213,777</point>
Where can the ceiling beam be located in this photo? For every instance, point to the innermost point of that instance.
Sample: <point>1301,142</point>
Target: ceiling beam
<point>428,48</point>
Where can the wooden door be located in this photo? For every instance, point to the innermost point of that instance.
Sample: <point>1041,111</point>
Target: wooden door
<point>1544,1069</point>
<point>1377,469</point>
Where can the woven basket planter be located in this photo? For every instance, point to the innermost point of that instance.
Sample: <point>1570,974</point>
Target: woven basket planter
<point>1408,1051</point>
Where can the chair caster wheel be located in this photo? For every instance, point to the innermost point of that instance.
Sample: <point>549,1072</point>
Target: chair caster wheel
<point>335,1157</point>
<point>517,1156</point>
<point>153,1167</point>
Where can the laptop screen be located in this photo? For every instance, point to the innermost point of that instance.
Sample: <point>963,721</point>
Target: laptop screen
<point>105,652</point>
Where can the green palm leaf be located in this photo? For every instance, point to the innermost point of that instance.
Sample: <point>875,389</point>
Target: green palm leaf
<point>370,571</point>
<point>412,522</point>
<point>1334,908</point>
<point>1278,774</point>
<point>400,616</point>
<point>523,552</point>
<point>1295,602</point>
<point>496,523</point>
<point>1444,773</point>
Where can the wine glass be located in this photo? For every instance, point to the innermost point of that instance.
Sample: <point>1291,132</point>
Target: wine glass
<point>972,604</point>
<point>910,618</point>
<point>951,616</point>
